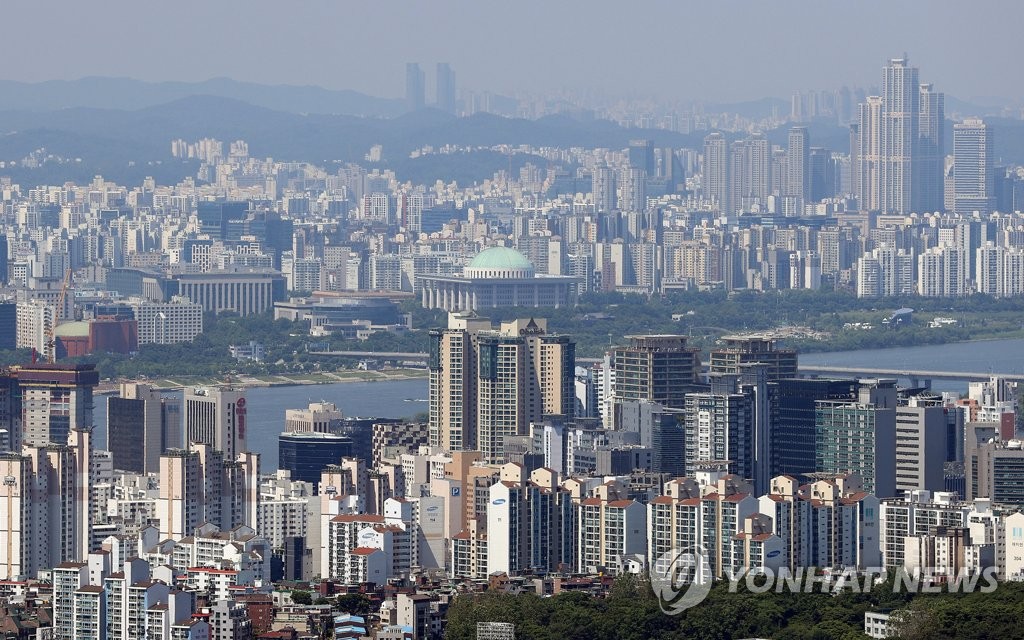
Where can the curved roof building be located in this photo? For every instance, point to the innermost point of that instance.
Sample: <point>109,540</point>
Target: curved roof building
<point>497,277</point>
<point>499,262</point>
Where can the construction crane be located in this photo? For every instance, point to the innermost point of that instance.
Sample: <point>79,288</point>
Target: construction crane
<point>58,313</point>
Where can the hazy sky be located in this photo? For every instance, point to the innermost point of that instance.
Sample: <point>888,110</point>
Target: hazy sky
<point>709,50</point>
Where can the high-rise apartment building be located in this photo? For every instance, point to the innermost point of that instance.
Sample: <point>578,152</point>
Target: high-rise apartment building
<point>901,95</point>
<point>530,524</point>
<point>609,530</point>
<point>750,172</point>
<point>603,189</point>
<point>1000,270</point>
<point>216,417</point>
<point>452,361</point>
<point>973,174</point>
<point>634,190</point>
<point>798,175</point>
<point>869,154</point>
<point>45,506</point>
<point>715,180</point>
<point>885,272</point>
<point>141,425</point>
<point>487,384</point>
<point>4,272</point>
<point>200,485</point>
<point>942,272</point>
<point>899,145</point>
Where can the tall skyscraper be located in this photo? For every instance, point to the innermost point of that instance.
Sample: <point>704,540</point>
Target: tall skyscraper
<point>973,176</point>
<point>798,175</point>
<point>660,369</point>
<point>900,144</point>
<point>305,454</point>
<point>730,424</point>
<point>445,88</point>
<point>57,399</point>
<point>523,375</point>
<point>670,167</point>
<point>641,156</point>
<point>216,417</point>
<point>141,425</point>
<point>901,95</point>
<point>859,436</point>
<point>931,151</point>
<point>415,87</point>
<point>4,274</point>
<point>793,433</point>
<point>715,181</point>
<point>8,325</point>
<point>452,356</point>
<point>488,384</point>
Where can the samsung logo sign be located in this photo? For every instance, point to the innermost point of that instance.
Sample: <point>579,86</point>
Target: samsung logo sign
<point>432,509</point>
<point>772,554</point>
<point>498,502</point>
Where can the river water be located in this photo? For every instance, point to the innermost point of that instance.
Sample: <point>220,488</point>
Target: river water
<point>266,407</point>
<point>981,356</point>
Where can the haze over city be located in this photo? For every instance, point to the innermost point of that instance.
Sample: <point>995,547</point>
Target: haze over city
<point>694,51</point>
<point>562,320</point>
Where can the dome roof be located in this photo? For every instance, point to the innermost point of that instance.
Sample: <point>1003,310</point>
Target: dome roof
<point>500,258</point>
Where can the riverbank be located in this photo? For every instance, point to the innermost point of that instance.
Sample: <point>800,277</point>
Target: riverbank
<point>294,380</point>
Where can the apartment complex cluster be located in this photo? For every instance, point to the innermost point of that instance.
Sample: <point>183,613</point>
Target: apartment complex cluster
<point>107,267</point>
<point>529,469</point>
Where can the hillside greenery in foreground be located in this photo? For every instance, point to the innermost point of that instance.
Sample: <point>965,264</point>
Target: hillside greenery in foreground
<point>631,612</point>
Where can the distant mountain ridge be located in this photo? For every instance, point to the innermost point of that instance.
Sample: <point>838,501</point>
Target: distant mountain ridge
<point>103,92</point>
<point>126,93</point>
<point>127,144</point>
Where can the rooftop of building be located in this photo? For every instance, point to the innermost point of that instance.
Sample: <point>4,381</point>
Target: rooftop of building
<point>75,329</point>
<point>500,258</point>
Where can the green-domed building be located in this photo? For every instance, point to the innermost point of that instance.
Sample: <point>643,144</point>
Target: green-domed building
<point>496,277</point>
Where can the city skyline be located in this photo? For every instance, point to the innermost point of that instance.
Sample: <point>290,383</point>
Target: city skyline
<point>699,69</point>
<point>560,306</point>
